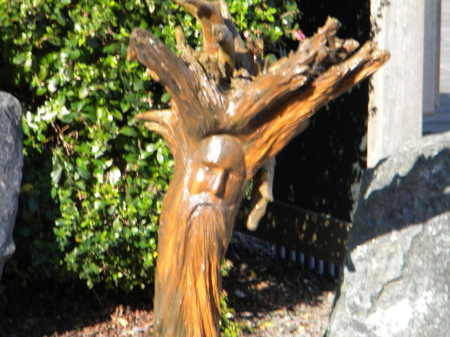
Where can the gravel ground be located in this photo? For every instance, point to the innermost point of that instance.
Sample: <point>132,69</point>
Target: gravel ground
<point>271,297</point>
<point>277,297</point>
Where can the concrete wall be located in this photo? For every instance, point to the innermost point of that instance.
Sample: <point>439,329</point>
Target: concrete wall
<point>395,101</point>
<point>408,86</point>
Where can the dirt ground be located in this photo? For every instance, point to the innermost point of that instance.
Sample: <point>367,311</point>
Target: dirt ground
<point>270,296</point>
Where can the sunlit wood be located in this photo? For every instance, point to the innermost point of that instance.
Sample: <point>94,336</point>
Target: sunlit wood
<point>231,114</point>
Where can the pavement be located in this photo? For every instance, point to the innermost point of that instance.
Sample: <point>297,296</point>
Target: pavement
<point>440,121</point>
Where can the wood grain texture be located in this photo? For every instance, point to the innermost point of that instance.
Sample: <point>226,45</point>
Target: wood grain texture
<point>230,114</point>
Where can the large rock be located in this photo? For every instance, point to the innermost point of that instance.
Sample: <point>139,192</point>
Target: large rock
<point>396,278</point>
<point>11,162</point>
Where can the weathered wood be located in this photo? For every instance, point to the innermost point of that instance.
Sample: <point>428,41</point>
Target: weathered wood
<point>230,115</point>
<point>303,231</point>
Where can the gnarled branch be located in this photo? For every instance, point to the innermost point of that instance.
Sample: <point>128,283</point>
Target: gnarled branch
<point>218,40</point>
<point>268,137</point>
<point>165,65</point>
<point>179,80</point>
<point>285,76</point>
<point>163,122</point>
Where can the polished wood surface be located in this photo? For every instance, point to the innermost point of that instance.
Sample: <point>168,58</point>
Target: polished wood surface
<point>230,114</point>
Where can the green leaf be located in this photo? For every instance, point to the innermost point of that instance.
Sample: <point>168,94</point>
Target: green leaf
<point>130,158</point>
<point>114,175</point>
<point>41,91</point>
<point>60,222</point>
<point>83,92</point>
<point>165,97</point>
<point>129,5</point>
<point>68,118</point>
<point>56,173</point>
<point>150,147</point>
<point>83,172</point>
<point>128,131</point>
<point>53,193</point>
<point>90,115</point>
<point>81,185</point>
<point>20,58</point>
<point>159,156</point>
<point>116,114</point>
<point>124,105</point>
<point>95,269</point>
<point>60,18</point>
<point>54,40</point>
<point>74,53</point>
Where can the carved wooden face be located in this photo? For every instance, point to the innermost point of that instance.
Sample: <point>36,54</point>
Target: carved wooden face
<point>218,168</point>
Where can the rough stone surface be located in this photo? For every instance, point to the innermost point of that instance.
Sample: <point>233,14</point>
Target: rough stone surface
<point>397,270</point>
<point>11,162</point>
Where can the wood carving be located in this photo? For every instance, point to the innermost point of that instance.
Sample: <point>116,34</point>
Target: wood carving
<point>230,115</point>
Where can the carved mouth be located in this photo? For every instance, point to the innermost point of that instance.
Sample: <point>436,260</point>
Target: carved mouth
<point>205,200</point>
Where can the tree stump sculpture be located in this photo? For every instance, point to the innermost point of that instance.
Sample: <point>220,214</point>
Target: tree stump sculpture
<point>230,115</point>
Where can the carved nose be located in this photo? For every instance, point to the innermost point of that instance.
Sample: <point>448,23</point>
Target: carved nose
<point>218,184</point>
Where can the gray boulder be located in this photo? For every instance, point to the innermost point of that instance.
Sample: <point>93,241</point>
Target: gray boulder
<point>397,271</point>
<point>11,162</point>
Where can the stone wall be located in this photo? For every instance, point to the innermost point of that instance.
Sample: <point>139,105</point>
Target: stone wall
<point>397,268</point>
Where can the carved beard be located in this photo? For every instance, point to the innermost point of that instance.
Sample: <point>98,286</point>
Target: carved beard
<point>189,268</point>
<point>207,240</point>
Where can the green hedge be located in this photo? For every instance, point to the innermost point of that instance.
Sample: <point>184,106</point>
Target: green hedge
<point>93,180</point>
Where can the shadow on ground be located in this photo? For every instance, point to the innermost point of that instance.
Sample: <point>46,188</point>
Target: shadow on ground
<point>259,281</point>
<point>52,309</point>
<point>260,287</point>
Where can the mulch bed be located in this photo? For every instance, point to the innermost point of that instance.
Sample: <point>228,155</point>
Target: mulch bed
<point>271,297</point>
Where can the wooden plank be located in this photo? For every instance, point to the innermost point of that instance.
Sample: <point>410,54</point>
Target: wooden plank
<point>303,231</point>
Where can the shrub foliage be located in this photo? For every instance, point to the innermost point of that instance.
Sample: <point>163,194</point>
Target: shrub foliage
<point>93,180</point>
